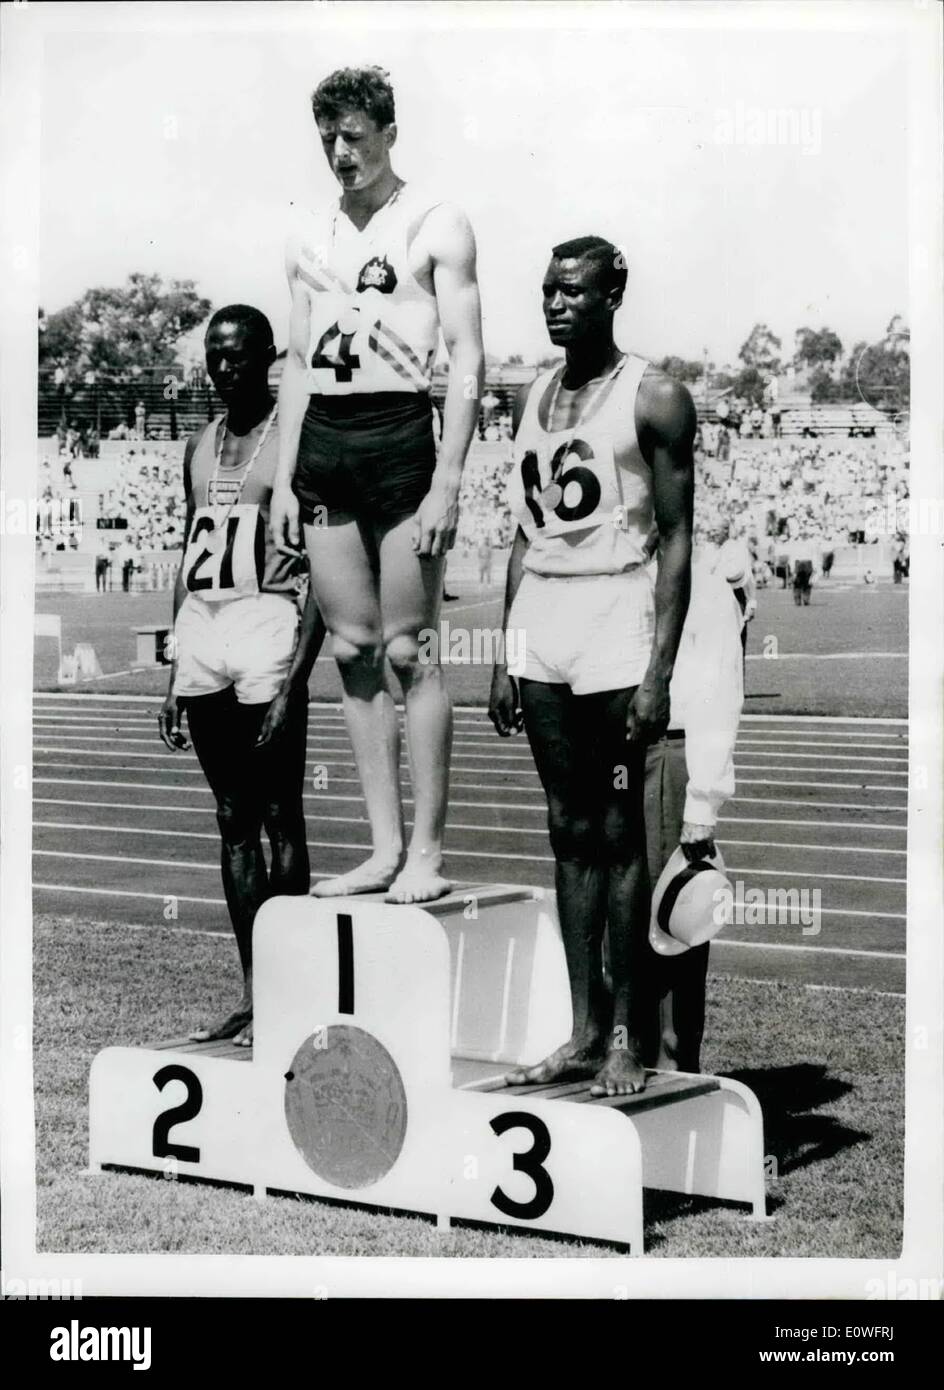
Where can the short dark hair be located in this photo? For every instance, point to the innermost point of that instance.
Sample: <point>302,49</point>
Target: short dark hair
<point>607,260</point>
<point>245,316</point>
<point>355,89</point>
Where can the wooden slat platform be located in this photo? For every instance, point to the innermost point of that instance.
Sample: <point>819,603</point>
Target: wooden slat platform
<point>486,894</point>
<point>662,1087</point>
<point>222,1048</point>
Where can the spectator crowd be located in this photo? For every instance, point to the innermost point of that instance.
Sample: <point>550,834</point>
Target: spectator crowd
<point>148,495</point>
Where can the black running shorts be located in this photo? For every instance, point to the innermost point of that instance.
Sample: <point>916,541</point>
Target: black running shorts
<point>366,457</point>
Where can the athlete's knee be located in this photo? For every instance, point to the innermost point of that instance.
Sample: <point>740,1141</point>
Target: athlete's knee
<point>357,649</point>
<point>622,833</point>
<point>411,657</point>
<point>238,824</point>
<point>574,835</point>
<point>284,821</point>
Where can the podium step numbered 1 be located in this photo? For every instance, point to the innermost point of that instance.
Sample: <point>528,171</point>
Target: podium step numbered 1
<point>381,1038</point>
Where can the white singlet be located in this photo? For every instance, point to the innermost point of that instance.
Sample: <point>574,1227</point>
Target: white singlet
<point>374,327</point>
<point>583,496</point>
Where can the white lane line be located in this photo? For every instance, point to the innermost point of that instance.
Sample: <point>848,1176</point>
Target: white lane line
<point>158,864</point>
<point>520,753</point>
<point>825,950</point>
<point>509,766</point>
<point>821,768</point>
<point>826,786</point>
<point>816,824</point>
<point>128,893</point>
<point>810,757</point>
<point>176,768</point>
<point>536,808</point>
<point>797,844</point>
<point>829,656</point>
<point>334,819</point>
<point>802,719</point>
<point>788,874</point>
<point>477,731</point>
<point>476,720</point>
<point>805,719</point>
<point>450,853</point>
<point>227,936</point>
<point>814,805</point>
<point>510,805</point>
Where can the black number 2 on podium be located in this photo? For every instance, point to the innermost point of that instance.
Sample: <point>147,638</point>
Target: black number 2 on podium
<point>188,1109</point>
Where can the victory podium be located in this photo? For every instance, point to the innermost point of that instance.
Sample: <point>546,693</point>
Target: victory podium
<point>381,1037</point>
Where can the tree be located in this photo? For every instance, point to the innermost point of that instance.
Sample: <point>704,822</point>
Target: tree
<point>113,331</point>
<point>680,369</point>
<point>749,384</point>
<point>879,374</point>
<point>761,349</point>
<point>816,348</point>
<point>823,386</point>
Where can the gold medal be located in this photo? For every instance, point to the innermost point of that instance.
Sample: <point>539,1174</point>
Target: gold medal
<point>552,496</point>
<point>216,541</point>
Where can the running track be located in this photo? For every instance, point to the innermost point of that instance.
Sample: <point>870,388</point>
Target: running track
<point>120,824</point>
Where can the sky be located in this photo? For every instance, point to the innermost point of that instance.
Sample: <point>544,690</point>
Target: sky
<point>748,175</point>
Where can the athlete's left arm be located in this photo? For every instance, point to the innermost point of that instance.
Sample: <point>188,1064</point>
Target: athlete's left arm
<point>665,426</point>
<point>311,635</point>
<point>451,244</point>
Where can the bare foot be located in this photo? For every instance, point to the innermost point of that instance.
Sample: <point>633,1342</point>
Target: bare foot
<point>622,1074</point>
<point>244,1038</point>
<point>577,1058</point>
<point>229,1026</point>
<point>373,876</point>
<point>419,881</point>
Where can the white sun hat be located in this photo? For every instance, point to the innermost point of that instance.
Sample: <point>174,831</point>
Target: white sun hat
<point>690,903</point>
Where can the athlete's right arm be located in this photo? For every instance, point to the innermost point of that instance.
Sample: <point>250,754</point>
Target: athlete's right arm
<point>168,720</point>
<point>293,402</point>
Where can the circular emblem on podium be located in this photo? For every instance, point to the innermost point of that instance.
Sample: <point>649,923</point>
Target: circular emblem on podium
<point>345,1106</point>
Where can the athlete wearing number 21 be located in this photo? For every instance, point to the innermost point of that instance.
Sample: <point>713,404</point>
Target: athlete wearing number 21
<point>242,656</point>
<point>603,458</point>
<point>373,279</point>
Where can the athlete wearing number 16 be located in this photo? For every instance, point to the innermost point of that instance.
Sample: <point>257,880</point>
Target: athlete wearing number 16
<point>373,279</point>
<point>603,455</point>
<point>241,656</point>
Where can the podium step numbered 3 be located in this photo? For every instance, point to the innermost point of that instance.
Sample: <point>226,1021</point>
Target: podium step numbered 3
<point>382,1036</point>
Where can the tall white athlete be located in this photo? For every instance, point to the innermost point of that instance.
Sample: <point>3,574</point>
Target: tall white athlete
<point>374,278</point>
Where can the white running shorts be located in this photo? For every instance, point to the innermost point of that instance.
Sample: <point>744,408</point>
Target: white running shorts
<point>591,632</point>
<point>246,642</point>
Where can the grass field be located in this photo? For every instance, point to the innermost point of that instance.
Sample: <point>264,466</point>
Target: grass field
<point>825,1064</point>
<point>846,654</point>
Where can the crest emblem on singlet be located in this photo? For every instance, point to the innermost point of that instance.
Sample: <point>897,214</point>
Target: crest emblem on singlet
<point>377,274</point>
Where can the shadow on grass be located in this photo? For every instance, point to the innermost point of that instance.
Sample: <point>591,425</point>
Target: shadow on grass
<point>793,1136</point>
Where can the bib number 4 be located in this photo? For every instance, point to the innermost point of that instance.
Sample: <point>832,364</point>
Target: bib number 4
<point>343,361</point>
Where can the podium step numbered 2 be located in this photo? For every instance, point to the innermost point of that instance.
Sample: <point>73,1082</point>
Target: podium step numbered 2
<point>381,1038</point>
